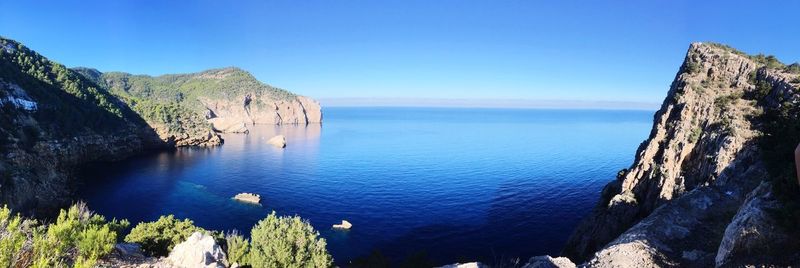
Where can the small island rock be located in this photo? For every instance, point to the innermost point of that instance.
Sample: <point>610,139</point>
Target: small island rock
<point>344,225</point>
<point>248,198</point>
<point>277,141</point>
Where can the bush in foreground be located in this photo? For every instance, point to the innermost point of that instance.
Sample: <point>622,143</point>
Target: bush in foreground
<point>286,242</point>
<point>78,238</point>
<point>237,248</point>
<point>159,237</point>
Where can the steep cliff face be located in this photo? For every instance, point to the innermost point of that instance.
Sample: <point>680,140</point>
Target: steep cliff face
<point>54,119</point>
<point>229,98</point>
<point>694,172</point>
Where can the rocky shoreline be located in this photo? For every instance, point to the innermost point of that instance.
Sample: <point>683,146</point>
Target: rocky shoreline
<point>50,128</point>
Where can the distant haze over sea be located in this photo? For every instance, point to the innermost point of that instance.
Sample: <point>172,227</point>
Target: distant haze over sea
<point>488,103</point>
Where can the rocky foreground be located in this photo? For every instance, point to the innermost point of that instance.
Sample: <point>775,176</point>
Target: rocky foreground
<point>699,193</point>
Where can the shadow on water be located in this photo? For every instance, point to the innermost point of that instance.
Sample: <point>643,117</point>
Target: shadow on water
<point>421,186</point>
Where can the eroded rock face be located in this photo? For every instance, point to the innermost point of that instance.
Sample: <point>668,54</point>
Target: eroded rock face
<point>199,250</point>
<point>699,132</point>
<point>754,237</point>
<point>684,202</point>
<point>228,125</point>
<point>251,108</point>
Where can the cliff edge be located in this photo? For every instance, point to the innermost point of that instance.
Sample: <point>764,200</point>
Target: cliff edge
<point>682,200</point>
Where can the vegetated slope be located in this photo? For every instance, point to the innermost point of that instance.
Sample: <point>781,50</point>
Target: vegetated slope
<point>229,98</point>
<point>174,121</point>
<point>714,182</point>
<point>52,119</point>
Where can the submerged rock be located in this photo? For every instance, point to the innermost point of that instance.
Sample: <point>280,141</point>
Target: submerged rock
<point>277,141</point>
<point>344,225</point>
<point>248,198</point>
<point>198,250</point>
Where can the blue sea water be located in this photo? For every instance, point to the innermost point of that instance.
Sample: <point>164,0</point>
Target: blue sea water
<point>454,184</point>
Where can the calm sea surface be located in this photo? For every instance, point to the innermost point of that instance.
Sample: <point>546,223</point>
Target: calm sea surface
<point>455,184</point>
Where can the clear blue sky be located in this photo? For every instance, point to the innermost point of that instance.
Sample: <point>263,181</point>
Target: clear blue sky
<point>574,50</point>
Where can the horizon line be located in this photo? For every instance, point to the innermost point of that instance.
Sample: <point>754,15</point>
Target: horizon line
<point>489,103</point>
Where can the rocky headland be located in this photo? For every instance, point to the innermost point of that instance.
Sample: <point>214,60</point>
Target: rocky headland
<point>714,184</point>
<point>55,119</point>
<point>700,191</point>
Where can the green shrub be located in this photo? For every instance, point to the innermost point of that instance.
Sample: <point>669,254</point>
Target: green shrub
<point>287,242</point>
<point>94,243</point>
<point>762,90</point>
<point>722,102</point>
<point>770,61</point>
<point>793,68</point>
<point>78,237</point>
<point>14,235</point>
<point>781,136</point>
<point>159,237</point>
<point>237,248</point>
<point>691,66</point>
<point>79,230</point>
<point>695,135</point>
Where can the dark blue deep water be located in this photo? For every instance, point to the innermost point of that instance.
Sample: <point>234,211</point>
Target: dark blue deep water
<point>456,184</point>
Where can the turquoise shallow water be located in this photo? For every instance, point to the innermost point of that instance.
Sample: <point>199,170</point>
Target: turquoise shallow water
<point>456,184</point>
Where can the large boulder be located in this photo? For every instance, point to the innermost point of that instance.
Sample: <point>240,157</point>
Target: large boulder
<point>754,237</point>
<point>199,250</point>
<point>228,125</point>
<point>549,262</point>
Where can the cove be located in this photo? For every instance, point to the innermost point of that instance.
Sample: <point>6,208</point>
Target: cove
<point>452,183</point>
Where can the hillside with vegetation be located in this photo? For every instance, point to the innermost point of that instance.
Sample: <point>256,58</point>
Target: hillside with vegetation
<point>80,238</point>
<point>228,99</point>
<point>54,119</point>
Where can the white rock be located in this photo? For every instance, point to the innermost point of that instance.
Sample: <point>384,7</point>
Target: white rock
<point>549,262</point>
<point>198,251</point>
<point>466,265</point>
<point>228,125</point>
<point>344,225</point>
<point>277,141</point>
<point>248,197</point>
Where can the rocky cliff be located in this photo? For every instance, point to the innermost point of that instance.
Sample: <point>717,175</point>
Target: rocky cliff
<point>690,197</point>
<point>54,119</point>
<point>228,98</point>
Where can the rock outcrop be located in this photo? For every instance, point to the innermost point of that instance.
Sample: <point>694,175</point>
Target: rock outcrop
<point>252,108</point>
<point>754,237</point>
<point>345,225</point>
<point>549,262</point>
<point>199,250</point>
<point>675,205</point>
<point>278,141</point>
<point>466,265</point>
<point>248,198</point>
